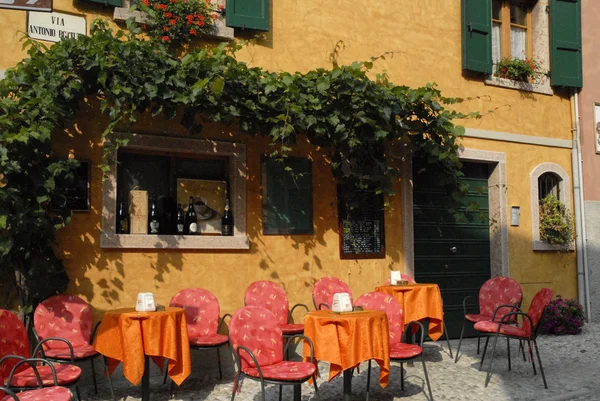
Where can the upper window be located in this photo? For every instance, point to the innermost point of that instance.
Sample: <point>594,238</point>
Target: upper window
<point>548,184</point>
<point>511,30</point>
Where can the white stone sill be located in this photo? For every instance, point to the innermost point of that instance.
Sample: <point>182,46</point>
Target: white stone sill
<point>544,89</point>
<point>144,241</point>
<point>538,245</point>
<point>219,32</point>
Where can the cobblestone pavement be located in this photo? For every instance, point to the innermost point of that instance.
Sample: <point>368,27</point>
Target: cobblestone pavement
<point>571,364</point>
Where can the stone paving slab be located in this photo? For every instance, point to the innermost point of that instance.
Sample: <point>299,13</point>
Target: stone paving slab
<point>571,364</point>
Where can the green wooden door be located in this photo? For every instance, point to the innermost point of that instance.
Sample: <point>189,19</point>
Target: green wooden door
<point>452,251</point>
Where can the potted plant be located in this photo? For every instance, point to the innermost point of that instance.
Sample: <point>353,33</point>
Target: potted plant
<point>517,69</point>
<point>563,316</point>
<point>178,21</point>
<point>556,224</point>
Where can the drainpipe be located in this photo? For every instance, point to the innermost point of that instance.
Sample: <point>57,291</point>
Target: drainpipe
<point>583,286</point>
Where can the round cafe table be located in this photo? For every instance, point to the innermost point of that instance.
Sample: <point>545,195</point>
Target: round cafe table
<point>132,338</point>
<point>347,339</point>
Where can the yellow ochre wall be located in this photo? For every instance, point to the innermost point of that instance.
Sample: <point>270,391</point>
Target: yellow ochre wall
<point>425,38</point>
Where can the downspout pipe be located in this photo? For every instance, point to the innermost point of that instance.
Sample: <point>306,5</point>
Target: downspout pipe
<point>583,286</point>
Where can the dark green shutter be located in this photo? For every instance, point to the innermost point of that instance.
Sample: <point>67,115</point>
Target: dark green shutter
<point>287,196</point>
<point>565,43</point>
<point>249,14</point>
<point>115,3</point>
<point>477,35</point>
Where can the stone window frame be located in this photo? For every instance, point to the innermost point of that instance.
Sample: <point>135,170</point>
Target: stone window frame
<point>236,155</point>
<point>540,27</point>
<point>564,186</point>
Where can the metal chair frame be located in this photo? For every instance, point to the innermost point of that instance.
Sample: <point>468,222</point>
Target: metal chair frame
<point>532,338</point>
<point>402,360</point>
<point>73,360</point>
<point>240,375</point>
<point>8,390</point>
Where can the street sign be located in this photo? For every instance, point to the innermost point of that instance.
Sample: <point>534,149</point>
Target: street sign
<point>54,26</point>
<point>31,5</point>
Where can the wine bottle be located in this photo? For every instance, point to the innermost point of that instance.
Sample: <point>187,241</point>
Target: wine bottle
<point>191,224</point>
<point>227,221</point>
<point>154,221</point>
<point>122,219</point>
<point>179,228</point>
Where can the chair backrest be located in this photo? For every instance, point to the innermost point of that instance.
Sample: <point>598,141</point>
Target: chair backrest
<point>325,288</point>
<point>498,291</point>
<point>65,316</point>
<point>268,295</point>
<point>404,277</point>
<point>201,309</point>
<point>257,329</point>
<point>536,310</point>
<point>13,341</point>
<point>391,307</point>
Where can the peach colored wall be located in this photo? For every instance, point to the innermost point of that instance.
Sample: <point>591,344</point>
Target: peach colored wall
<point>425,38</point>
<point>588,95</point>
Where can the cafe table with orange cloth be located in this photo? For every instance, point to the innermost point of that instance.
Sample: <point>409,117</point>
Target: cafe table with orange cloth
<point>347,339</point>
<point>131,337</point>
<point>419,302</point>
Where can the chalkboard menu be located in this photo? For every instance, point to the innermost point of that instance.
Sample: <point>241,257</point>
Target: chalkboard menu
<point>362,233</point>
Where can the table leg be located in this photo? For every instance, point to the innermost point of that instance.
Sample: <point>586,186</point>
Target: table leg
<point>146,379</point>
<point>348,384</point>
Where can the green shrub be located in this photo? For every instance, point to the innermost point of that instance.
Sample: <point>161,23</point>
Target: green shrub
<point>556,224</point>
<point>563,316</point>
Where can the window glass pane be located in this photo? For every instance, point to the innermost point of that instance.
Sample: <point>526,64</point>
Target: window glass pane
<point>518,42</point>
<point>518,14</point>
<point>548,185</point>
<point>496,6</point>
<point>496,41</point>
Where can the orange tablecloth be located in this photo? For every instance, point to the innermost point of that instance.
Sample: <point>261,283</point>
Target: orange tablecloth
<point>419,301</point>
<point>127,336</point>
<point>345,340</point>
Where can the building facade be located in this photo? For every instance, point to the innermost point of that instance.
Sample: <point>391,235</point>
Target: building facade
<point>523,139</point>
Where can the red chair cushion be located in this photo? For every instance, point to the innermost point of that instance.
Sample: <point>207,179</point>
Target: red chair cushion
<point>210,340</point>
<point>391,307</point>
<point>404,351</point>
<point>79,352</point>
<point>201,310</point>
<point>294,328</point>
<point>478,318</point>
<point>536,309</point>
<point>14,341</point>
<point>326,287</point>
<point>257,329</point>
<point>270,296</point>
<point>65,374</point>
<point>65,316</point>
<point>508,330</point>
<point>498,291</point>
<point>43,394</point>
<point>284,371</point>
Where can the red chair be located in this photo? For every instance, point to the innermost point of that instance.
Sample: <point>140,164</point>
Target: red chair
<point>14,348</point>
<point>399,351</point>
<point>63,329</point>
<point>272,297</point>
<point>257,345</point>
<point>528,331</point>
<point>202,314</point>
<point>497,296</point>
<point>42,393</point>
<point>325,288</point>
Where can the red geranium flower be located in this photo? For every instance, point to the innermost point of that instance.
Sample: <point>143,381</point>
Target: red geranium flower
<point>162,6</point>
<point>200,23</point>
<point>165,38</point>
<point>172,21</point>
<point>214,16</point>
<point>193,32</point>
<point>165,28</point>
<point>168,15</point>
<point>146,2</point>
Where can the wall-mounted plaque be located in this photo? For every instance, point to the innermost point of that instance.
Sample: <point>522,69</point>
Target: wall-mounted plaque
<point>361,225</point>
<point>53,27</point>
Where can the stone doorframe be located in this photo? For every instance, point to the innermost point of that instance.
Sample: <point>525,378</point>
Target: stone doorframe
<point>498,210</point>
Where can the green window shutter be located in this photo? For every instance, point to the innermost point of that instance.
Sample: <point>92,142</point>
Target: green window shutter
<point>114,3</point>
<point>248,14</point>
<point>477,35</point>
<point>565,43</point>
<point>287,196</point>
